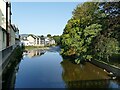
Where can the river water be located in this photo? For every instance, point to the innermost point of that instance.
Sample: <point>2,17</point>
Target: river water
<point>39,69</point>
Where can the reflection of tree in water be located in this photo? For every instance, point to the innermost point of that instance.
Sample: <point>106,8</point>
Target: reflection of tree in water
<point>83,76</point>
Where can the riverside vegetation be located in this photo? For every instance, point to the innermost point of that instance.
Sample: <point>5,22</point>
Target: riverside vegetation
<point>93,32</point>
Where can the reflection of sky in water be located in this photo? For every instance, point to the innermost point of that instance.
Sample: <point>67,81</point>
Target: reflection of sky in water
<point>50,70</point>
<point>113,84</point>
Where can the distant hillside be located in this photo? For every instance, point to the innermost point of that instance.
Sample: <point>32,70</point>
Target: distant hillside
<point>24,35</point>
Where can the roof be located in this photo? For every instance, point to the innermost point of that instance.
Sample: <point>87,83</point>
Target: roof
<point>42,38</point>
<point>14,27</point>
<point>33,36</point>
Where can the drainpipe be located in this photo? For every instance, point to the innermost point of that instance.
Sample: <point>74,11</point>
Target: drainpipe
<point>7,16</point>
<point>7,36</point>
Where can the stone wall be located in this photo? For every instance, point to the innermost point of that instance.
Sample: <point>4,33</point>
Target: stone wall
<point>107,67</point>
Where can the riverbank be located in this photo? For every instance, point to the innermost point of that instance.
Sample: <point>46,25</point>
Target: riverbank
<point>113,70</point>
<point>35,47</point>
<point>112,67</point>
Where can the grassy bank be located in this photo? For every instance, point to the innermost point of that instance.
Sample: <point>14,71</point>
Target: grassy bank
<point>36,47</point>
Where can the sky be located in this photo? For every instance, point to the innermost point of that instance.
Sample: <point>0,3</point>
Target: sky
<point>42,18</point>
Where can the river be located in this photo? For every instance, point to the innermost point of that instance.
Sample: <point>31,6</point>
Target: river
<point>47,69</point>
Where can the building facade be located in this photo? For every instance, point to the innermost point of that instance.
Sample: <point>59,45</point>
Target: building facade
<point>34,40</point>
<point>7,31</point>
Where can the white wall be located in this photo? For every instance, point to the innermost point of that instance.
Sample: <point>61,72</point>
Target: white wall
<point>3,7</point>
<point>4,42</point>
<point>2,37</point>
<point>2,14</point>
<point>12,37</point>
<point>2,24</point>
<point>26,43</point>
<point>38,42</point>
<point>31,40</point>
<point>0,17</point>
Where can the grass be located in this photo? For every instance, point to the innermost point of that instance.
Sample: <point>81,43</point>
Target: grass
<point>35,47</point>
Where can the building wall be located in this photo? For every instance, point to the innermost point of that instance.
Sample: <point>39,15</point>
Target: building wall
<point>3,7</point>
<point>26,43</point>
<point>38,42</point>
<point>2,39</point>
<point>31,40</point>
<point>17,34</point>
<point>12,37</point>
<point>2,20</point>
<point>2,14</point>
<point>0,17</point>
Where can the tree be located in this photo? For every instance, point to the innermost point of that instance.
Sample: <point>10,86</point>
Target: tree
<point>49,35</point>
<point>57,39</point>
<point>92,32</point>
<point>87,13</point>
<point>105,48</point>
<point>112,20</point>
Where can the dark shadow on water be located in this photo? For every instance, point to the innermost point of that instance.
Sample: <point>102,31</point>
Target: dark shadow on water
<point>9,77</point>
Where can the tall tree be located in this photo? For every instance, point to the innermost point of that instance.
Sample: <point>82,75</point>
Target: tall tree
<point>85,34</point>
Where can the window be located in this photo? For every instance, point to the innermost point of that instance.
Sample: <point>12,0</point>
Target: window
<point>37,40</point>
<point>3,36</point>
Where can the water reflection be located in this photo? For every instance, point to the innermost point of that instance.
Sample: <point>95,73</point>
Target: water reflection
<point>48,72</point>
<point>33,53</point>
<point>85,76</point>
<point>9,78</point>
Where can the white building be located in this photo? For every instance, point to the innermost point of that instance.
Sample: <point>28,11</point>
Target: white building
<point>3,32</point>
<point>52,41</point>
<point>33,40</point>
<point>49,41</point>
<point>25,42</point>
<point>2,14</point>
<point>7,32</point>
<point>3,39</point>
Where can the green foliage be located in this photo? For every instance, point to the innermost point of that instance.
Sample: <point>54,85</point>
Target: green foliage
<point>57,39</point>
<point>106,47</point>
<point>91,32</point>
<point>77,42</point>
<point>49,35</point>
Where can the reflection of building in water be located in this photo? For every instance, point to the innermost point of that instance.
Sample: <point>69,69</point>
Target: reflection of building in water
<point>86,76</point>
<point>9,77</point>
<point>33,53</point>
